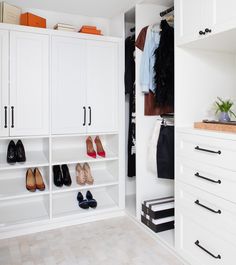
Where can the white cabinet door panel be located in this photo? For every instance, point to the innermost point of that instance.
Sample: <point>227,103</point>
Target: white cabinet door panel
<point>4,84</point>
<point>102,86</point>
<point>225,16</point>
<point>68,86</point>
<point>29,84</point>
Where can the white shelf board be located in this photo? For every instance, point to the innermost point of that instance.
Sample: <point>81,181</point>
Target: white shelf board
<point>73,156</point>
<point>102,178</point>
<point>66,204</point>
<point>17,212</point>
<point>33,159</point>
<point>14,188</point>
<point>83,134</point>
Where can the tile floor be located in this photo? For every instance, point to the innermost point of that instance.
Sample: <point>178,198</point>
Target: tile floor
<point>117,241</point>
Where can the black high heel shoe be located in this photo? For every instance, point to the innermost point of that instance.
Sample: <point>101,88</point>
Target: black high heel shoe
<point>91,201</point>
<point>11,153</point>
<point>20,152</point>
<point>66,175</point>
<point>57,176</point>
<point>82,203</point>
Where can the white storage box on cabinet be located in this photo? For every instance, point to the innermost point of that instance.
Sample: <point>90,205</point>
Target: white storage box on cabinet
<point>29,84</point>
<point>84,86</point>
<point>4,76</point>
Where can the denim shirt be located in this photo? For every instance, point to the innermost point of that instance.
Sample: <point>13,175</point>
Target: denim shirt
<point>148,61</point>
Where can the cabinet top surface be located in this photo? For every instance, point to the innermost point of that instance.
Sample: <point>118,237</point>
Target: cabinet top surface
<point>52,32</point>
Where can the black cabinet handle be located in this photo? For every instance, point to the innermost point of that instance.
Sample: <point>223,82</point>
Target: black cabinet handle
<point>197,243</point>
<point>207,150</point>
<point>208,30</point>
<point>12,117</point>
<point>84,116</point>
<point>205,207</point>
<point>208,179</point>
<point>5,108</point>
<point>202,32</point>
<point>90,116</point>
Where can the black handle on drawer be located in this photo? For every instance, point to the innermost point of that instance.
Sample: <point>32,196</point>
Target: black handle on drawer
<point>90,116</point>
<point>197,243</point>
<point>207,30</point>
<point>205,207</point>
<point>5,108</point>
<point>208,179</point>
<point>12,117</point>
<point>202,32</point>
<point>84,116</point>
<point>207,150</point>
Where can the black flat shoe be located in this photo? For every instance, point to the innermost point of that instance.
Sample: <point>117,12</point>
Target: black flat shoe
<point>66,175</point>
<point>11,153</point>
<point>57,176</point>
<point>82,203</point>
<point>91,201</point>
<point>20,152</point>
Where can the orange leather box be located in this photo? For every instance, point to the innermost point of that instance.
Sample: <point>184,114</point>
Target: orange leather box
<point>28,19</point>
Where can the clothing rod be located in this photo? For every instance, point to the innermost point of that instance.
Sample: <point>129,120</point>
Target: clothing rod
<point>167,11</point>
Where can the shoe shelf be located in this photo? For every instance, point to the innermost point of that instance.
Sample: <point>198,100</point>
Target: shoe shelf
<point>13,184</point>
<point>66,204</point>
<point>36,150</point>
<point>21,211</point>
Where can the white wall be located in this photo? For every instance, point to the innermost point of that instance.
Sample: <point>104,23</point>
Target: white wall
<point>148,185</point>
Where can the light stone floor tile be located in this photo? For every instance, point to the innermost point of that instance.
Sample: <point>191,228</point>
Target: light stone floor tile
<point>117,241</point>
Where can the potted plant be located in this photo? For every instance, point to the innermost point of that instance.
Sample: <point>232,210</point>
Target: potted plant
<point>224,107</point>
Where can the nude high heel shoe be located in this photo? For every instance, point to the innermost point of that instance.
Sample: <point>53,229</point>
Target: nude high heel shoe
<point>30,181</point>
<point>100,150</point>
<point>80,178</point>
<point>39,180</point>
<point>90,150</point>
<point>88,174</point>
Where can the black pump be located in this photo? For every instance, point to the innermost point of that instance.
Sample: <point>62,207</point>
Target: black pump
<point>91,201</point>
<point>82,203</point>
<point>20,152</point>
<point>66,175</point>
<point>57,175</point>
<point>11,153</point>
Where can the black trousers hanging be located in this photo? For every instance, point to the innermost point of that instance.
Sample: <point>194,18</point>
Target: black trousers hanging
<point>165,153</point>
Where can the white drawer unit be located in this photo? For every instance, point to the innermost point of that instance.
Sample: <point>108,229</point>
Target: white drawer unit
<point>218,181</point>
<point>199,246</point>
<point>216,214</point>
<point>213,151</point>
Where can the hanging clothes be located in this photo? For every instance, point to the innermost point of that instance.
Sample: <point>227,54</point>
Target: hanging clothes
<point>164,67</point>
<point>165,153</point>
<point>130,90</point>
<point>147,80</point>
<point>140,42</point>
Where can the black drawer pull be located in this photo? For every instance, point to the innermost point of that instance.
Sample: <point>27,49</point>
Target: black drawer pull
<point>202,32</point>
<point>197,243</point>
<point>90,116</point>
<point>84,116</point>
<point>205,207</point>
<point>206,150</point>
<point>12,117</point>
<point>5,126</point>
<point>208,179</point>
<point>208,30</point>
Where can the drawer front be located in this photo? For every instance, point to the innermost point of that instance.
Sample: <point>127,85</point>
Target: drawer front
<point>218,181</point>
<point>217,152</point>
<point>215,214</point>
<point>199,246</point>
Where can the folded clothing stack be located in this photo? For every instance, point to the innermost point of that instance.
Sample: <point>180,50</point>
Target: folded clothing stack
<point>66,27</point>
<point>90,30</point>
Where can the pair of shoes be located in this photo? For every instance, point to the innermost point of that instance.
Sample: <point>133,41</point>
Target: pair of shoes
<point>84,175</point>
<point>89,202</point>
<point>61,176</point>
<point>34,180</point>
<point>90,150</point>
<point>15,152</point>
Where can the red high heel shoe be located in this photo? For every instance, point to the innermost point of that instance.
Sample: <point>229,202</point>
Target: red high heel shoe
<point>90,150</point>
<point>100,150</point>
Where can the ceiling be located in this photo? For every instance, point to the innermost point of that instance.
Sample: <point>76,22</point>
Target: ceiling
<point>95,8</point>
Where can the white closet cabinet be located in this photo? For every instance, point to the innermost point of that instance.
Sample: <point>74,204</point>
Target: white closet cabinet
<point>29,84</point>
<point>4,65</point>
<point>68,85</point>
<point>84,86</point>
<point>102,86</point>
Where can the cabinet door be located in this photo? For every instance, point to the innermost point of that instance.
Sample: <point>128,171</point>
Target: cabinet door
<point>189,19</point>
<point>68,86</point>
<point>102,86</point>
<point>4,84</point>
<point>29,84</point>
